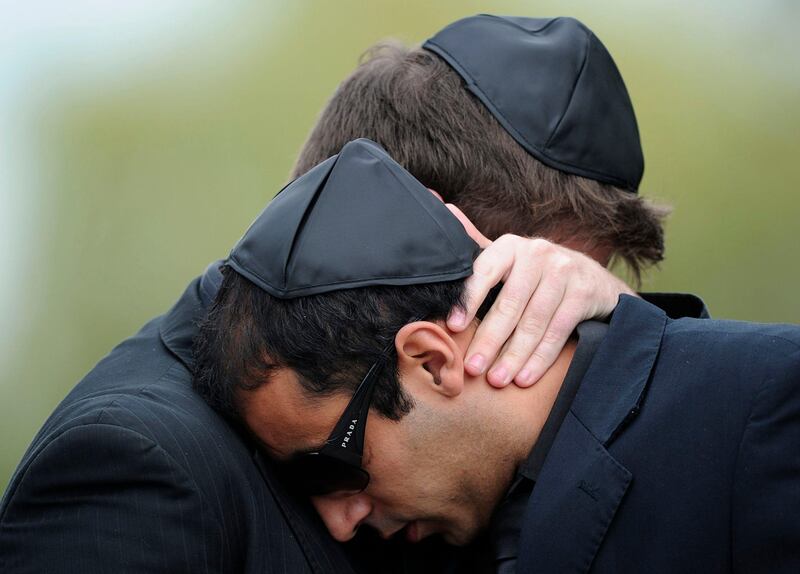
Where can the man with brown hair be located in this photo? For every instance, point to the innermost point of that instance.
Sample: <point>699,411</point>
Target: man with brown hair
<point>411,101</point>
<point>525,124</point>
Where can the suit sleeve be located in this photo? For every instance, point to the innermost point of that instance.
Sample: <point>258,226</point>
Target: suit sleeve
<point>103,498</point>
<point>766,497</point>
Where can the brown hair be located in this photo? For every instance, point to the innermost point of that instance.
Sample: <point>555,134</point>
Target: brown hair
<point>414,105</point>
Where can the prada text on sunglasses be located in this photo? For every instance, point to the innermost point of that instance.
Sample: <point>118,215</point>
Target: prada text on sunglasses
<point>336,466</point>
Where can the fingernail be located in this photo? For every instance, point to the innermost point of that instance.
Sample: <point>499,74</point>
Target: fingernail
<point>524,376</point>
<point>457,319</point>
<point>499,374</point>
<point>478,363</point>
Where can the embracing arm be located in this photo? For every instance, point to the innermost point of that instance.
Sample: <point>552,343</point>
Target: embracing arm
<point>103,498</point>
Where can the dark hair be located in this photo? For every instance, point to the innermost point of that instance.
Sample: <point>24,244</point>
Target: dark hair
<point>413,104</point>
<point>330,340</point>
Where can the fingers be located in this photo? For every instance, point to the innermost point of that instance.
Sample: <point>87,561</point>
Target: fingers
<point>539,322</point>
<point>547,351</point>
<point>477,287</point>
<point>588,290</point>
<point>549,348</point>
<point>502,320</point>
<point>488,270</point>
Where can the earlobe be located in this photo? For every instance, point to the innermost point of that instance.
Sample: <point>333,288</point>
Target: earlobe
<point>428,350</point>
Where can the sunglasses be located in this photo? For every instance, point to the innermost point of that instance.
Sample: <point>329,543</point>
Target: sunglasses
<point>336,467</point>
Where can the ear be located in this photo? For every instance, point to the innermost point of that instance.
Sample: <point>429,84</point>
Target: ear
<point>426,352</point>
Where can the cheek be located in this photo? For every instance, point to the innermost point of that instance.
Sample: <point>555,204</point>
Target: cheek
<point>388,460</point>
<point>401,476</point>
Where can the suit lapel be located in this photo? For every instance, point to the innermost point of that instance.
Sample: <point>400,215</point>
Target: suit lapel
<point>613,388</point>
<point>573,503</point>
<point>581,484</point>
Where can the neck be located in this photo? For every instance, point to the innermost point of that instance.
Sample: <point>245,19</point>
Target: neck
<point>518,414</point>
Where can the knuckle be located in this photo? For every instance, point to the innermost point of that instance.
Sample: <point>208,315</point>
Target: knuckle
<point>504,241</point>
<point>532,325</point>
<point>565,262</point>
<point>538,358</point>
<point>562,266</point>
<point>514,357</point>
<point>541,246</point>
<point>509,305</point>
<point>483,268</point>
<point>551,338</point>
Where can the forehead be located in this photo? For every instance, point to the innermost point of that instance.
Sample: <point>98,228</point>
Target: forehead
<point>285,419</point>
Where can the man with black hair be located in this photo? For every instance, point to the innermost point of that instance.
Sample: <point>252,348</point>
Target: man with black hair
<point>651,444</point>
<point>135,472</point>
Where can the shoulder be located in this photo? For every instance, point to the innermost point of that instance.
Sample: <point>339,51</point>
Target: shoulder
<point>139,399</point>
<point>767,346</point>
<point>132,445</point>
<point>784,336</point>
<point>773,341</point>
<point>105,495</point>
<point>704,366</point>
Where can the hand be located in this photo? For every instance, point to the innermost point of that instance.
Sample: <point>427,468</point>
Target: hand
<point>548,289</point>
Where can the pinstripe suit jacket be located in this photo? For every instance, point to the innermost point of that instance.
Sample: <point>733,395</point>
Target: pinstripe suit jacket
<point>134,473</point>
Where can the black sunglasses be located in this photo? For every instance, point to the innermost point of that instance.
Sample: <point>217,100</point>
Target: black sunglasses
<point>336,466</point>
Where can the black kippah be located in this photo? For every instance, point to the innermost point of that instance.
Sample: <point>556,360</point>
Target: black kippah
<point>554,87</point>
<point>356,219</point>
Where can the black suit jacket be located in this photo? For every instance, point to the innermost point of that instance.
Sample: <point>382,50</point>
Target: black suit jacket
<point>134,473</point>
<point>681,453</point>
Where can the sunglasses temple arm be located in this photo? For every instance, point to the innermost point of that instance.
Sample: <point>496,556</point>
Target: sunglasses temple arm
<point>347,439</point>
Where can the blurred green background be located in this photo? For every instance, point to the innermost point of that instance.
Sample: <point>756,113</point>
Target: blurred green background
<point>138,140</point>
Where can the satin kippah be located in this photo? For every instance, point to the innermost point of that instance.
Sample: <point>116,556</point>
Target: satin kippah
<point>357,219</point>
<point>555,89</point>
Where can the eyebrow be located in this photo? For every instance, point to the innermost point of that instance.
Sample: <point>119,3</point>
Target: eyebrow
<point>279,455</point>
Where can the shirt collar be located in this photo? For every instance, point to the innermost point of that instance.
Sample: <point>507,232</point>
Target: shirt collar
<point>590,334</point>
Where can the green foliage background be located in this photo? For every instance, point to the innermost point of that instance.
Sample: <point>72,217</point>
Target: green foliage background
<point>141,158</point>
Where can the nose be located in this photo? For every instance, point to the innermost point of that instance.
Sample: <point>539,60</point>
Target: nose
<point>343,513</point>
